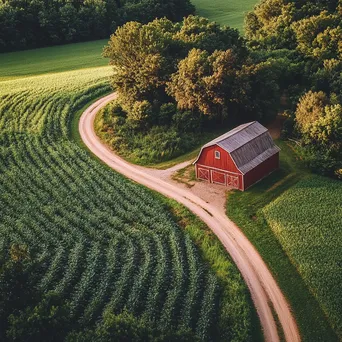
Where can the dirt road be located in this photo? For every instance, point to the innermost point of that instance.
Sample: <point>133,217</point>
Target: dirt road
<point>264,290</point>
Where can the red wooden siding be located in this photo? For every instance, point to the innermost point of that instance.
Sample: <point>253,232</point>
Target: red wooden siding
<point>213,175</point>
<point>225,163</point>
<point>261,171</point>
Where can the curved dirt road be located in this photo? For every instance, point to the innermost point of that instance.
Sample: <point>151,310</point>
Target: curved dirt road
<point>264,289</point>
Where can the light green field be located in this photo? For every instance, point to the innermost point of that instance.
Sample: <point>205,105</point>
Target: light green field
<point>307,220</point>
<point>52,59</point>
<point>225,12</point>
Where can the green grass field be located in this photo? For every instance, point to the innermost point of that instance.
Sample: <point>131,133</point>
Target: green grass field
<point>52,59</point>
<point>293,218</point>
<point>225,12</point>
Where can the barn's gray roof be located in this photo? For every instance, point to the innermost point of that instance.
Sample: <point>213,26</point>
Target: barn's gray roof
<point>249,145</point>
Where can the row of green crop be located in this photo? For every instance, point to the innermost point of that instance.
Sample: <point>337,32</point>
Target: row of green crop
<point>56,228</point>
<point>307,220</point>
<point>101,243</point>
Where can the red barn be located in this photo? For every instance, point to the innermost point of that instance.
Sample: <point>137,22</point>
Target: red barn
<point>238,158</point>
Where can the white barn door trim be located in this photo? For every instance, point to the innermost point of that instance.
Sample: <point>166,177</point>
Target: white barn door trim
<point>203,174</point>
<point>233,181</point>
<point>218,177</point>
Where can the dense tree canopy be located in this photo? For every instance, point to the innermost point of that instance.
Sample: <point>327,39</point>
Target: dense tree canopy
<point>309,34</point>
<point>197,64</point>
<point>35,23</point>
<point>313,27</point>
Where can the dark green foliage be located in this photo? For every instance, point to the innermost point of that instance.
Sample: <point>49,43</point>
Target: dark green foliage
<point>145,56</point>
<point>16,283</point>
<point>127,328</point>
<point>31,24</point>
<point>48,320</point>
<point>161,138</point>
<point>303,40</point>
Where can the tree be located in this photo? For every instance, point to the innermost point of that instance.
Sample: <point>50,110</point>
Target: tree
<point>16,283</point>
<point>318,120</point>
<point>138,55</point>
<point>145,56</point>
<point>200,33</point>
<point>187,85</point>
<point>46,321</point>
<point>319,36</point>
<point>320,125</point>
<point>310,108</point>
<point>35,23</point>
<point>269,24</point>
<point>259,93</point>
<point>219,86</point>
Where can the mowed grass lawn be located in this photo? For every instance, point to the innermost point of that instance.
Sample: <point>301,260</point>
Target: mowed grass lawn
<point>52,59</point>
<point>225,12</point>
<point>294,220</point>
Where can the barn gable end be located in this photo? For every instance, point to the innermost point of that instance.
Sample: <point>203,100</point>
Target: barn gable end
<point>247,150</point>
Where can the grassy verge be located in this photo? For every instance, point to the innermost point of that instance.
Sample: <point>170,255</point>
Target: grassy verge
<point>186,176</point>
<point>246,209</point>
<point>52,59</point>
<point>73,128</point>
<point>183,158</point>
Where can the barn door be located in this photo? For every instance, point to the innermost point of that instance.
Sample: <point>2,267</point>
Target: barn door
<point>218,177</point>
<point>203,174</point>
<point>233,181</point>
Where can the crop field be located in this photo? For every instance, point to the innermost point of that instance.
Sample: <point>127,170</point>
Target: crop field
<point>225,12</point>
<point>307,221</point>
<point>102,242</point>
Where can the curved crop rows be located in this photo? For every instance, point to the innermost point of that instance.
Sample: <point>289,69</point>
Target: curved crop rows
<point>102,241</point>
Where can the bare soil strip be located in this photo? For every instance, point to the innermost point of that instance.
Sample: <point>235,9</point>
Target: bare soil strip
<point>264,290</point>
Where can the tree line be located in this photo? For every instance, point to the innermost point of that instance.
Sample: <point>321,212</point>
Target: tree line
<point>36,23</point>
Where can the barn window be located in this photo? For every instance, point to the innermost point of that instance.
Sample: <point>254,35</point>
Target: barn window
<point>217,155</point>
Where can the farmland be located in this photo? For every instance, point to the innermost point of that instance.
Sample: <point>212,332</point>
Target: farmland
<point>97,242</point>
<point>307,221</point>
<point>293,220</point>
<point>88,54</point>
